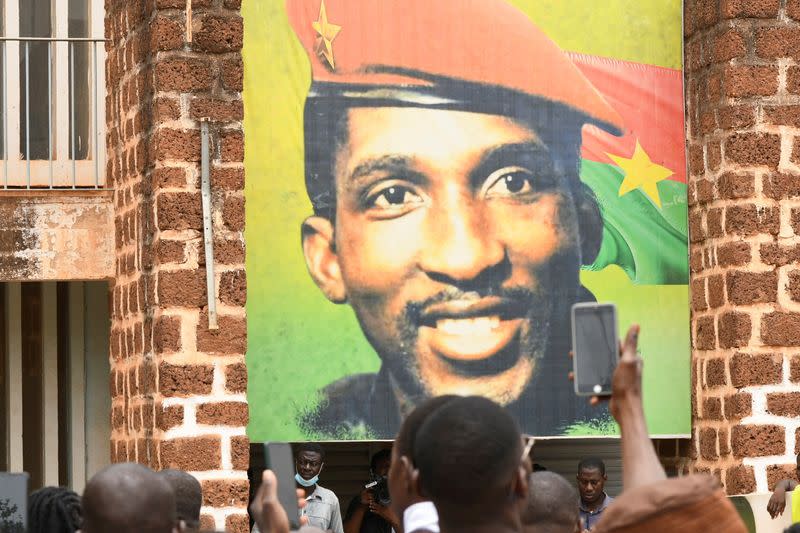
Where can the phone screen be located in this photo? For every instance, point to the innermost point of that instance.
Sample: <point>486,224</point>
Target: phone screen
<point>595,347</point>
<point>279,458</point>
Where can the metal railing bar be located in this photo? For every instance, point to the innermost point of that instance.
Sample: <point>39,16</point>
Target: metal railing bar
<point>5,118</point>
<point>56,39</point>
<point>28,112</point>
<point>72,110</point>
<point>50,113</point>
<point>94,112</point>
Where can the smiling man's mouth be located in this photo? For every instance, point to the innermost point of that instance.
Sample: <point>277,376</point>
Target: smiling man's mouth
<point>471,329</point>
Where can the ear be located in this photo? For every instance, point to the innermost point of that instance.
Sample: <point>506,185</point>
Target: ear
<point>416,483</point>
<point>521,483</point>
<point>320,252</point>
<point>408,474</point>
<point>590,223</point>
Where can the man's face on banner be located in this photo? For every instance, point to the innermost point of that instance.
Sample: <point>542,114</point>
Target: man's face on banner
<point>454,239</point>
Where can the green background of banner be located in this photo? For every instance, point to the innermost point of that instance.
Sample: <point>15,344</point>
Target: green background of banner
<point>299,342</point>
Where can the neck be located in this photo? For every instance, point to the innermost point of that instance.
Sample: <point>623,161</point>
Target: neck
<point>595,505</point>
<point>309,490</point>
<point>457,521</point>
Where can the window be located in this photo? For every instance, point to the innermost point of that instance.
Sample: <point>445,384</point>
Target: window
<point>54,381</point>
<point>52,84</point>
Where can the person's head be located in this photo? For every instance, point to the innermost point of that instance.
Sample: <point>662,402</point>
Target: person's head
<point>552,505</point>
<point>380,461</point>
<point>54,510</point>
<point>188,496</point>
<point>401,486</point>
<point>469,463</point>
<point>128,498</point>
<point>591,479</point>
<point>451,216</point>
<point>309,460</point>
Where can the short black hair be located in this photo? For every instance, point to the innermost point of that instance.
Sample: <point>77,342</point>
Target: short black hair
<point>310,447</point>
<point>552,501</point>
<point>466,451</point>
<point>54,510</point>
<point>592,463</point>
<point>188,495</point>
<point>381,455</point>
<point>794,528</point>
<point>404,441</point>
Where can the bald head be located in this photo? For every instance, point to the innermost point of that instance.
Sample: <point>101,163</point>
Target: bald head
<point>552,505</point>
<point>128,498</point>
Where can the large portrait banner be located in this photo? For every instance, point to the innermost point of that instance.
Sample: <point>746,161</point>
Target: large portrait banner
<point>432,184</point>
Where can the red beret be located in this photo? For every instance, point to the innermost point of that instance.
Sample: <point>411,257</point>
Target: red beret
<point>410,43</point>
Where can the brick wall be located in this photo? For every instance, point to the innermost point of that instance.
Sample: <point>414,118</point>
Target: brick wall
<point>743,118</point>
<point>178,388</point>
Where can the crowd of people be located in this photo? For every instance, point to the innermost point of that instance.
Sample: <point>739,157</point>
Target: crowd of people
<point>458,464</point>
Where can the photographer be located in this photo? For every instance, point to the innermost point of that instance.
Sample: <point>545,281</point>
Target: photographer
<point>369,512</point>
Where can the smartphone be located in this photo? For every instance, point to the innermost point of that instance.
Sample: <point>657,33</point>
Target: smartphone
<point>595,347</point>
<point>13,502</point>
<point>279,458</point>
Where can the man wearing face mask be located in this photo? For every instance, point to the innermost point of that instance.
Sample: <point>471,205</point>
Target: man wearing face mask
<point>322,505</point>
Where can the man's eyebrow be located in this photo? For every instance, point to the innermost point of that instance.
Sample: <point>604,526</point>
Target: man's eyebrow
<point>530,153</point>
<point>390,164</point>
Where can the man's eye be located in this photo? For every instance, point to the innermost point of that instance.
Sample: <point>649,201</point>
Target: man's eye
<point>394,196</point>
<point>509,182</point>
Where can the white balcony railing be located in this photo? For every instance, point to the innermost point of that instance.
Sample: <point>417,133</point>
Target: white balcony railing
<point>53,113</point>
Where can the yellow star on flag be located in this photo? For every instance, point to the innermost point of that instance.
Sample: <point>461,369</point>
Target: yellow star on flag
<point>640,171</point>
<point>327,33</point>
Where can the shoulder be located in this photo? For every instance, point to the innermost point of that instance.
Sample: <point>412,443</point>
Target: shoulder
<point>326,494</point>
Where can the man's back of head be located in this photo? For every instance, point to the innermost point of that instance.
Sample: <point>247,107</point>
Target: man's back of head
<point>128,498</point>
<point>552,505</point>
<point>188,496</point>
<point>468,453</point>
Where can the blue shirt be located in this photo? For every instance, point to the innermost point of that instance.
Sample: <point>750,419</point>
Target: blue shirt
<point>590,518</point>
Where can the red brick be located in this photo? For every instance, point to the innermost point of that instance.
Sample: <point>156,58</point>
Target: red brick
<point>740,480</point>
<point>232,74</point>
<point>754,149</point>
<point>192,454</point>
<point>715,373</point>
<point>714,222</point>
<point>793,9</point>
<point>236,378</point>
<point>240,452</point>
<point>170,251</point>
<point>794,369</point>
<point>782,186</point>
<point>745,288</point>
<point>179,211</point>
<point>755,369</point>
<point>167,334</point>
<point>743,81</point>
<point>166,109</point>
<point>734,330</point>
<point>225,492</point>
<point>176,145</point>
<point>776,473</point>
<point>750,219</point>
<point>696,160</point>
<point>233,287</point>
<point>716,290</point>
<point>183,288</point>
<point>795,221</point>
<point>229,252</point>
<point>757,440</point>
<point>230,338</point>
<point>237,523</point>
<point>169,417</point>
<point>227,179</point>
<point>705,191</point>
<point>794,285</point>
<point>708,443</point>
<point>183,75</point>
<point>775,254</point>
<point>736,185</point>
<point>784,404</point>
<point>231,146</point>
<point>223,414</point>
<point>736,117</point>
<point>793,80</point>
<point>169,177</point>
<point>712,409</point>
<point>780,329</point>
<point>233,213</point>
<point>207,522</point>
<point>216,110</point>
<point>185,380</point>
<point>775,42</point>
<point>166,33</point>
<point>698,292</point>
<point>728,45</point>
<point>713,155</point>
<point>738,406</point>
<point>705,335</point>
<point>749,8</point>
<point>733,254</point>
<point>216,33</point>
<point>704,14</point>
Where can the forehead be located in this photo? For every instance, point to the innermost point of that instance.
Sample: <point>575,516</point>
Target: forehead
<point>590,473</point>
<point>309,456</point>
<point>434,136</point>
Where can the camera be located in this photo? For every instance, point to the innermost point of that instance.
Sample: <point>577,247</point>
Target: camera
<point>379,487</point>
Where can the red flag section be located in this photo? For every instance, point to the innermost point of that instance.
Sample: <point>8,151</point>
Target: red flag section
<point>650,101</point>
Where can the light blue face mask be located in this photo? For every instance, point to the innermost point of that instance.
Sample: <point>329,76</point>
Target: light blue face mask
<point>306,482</point>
